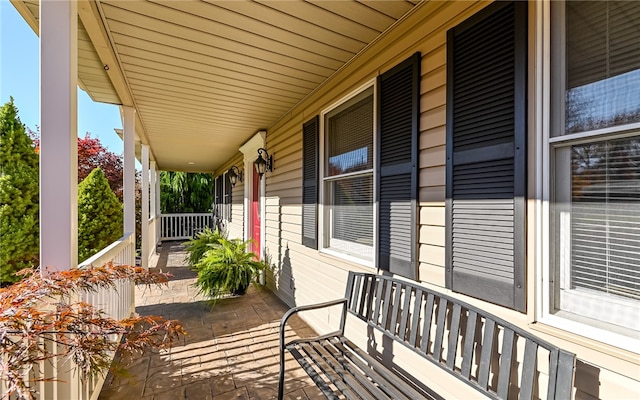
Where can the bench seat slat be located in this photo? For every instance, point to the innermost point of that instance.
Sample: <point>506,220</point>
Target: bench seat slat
<point>332,372</point>
<point>387,382</point>
<point>382,374</point>
<point>348,368</point>
<point>361,385</point>
<point>317,379</point>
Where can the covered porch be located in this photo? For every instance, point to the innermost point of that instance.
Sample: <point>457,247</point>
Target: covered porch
<point>230,351</point>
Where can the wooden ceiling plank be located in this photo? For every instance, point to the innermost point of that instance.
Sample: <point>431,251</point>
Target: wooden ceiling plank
<point>134,10</point>
<point>195,105</point>
<point>183,66</point>
<point>357,12</point>
<point>223,78</point>
<point>393,8</point>
<point>221,48</point>
<point>234,91</point>
<point>257,12</point>
<point>239,109</point>
<point>354,40</point>
<point>241,63</point>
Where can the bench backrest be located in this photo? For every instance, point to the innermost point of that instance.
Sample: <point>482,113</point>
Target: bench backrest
<point>488,353</point>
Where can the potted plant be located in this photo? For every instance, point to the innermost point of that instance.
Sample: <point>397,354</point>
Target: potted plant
<point>198,245</point>
<point>227,267</point>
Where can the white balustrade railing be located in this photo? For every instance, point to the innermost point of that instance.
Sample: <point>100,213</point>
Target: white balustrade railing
<point>183,226</point>
<point>63,382</point>
<point>117,303</point>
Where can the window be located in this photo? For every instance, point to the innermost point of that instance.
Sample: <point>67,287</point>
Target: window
<point>595,166</point>
<point>369,180</point>
<point>348,177</point>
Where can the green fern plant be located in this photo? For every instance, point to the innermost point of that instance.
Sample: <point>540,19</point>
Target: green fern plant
<point>203,241</point>
<point>227,267</point>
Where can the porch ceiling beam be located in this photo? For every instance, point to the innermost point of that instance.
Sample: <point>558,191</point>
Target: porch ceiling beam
<point>93,24</point>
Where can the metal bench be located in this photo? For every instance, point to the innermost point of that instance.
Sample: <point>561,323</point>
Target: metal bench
<point>491,355</point>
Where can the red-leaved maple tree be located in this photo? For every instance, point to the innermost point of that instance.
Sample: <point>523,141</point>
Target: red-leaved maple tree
<point>91,154</point>
<point>37,312</point>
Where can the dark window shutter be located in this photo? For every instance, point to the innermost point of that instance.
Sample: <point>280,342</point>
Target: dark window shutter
<point>397,167</point>
<point>227,196</point>
<point>218,197</point>
<point>310,131</point>
<point>486,155</point>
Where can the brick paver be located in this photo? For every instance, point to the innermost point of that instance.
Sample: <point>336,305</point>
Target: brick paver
<point>230,351</point>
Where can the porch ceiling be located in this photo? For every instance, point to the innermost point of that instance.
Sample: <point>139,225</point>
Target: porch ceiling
<point>205,76</point>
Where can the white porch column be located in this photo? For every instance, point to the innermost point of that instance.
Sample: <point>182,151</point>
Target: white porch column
<point>59,135</point>
<point>129,169</point>
<point>152,196</point>
<point>158,205</point>
<point>144,205</point>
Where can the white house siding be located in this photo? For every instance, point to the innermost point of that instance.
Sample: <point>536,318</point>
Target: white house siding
<point>303,275</point>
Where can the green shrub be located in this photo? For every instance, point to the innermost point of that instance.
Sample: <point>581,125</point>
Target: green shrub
<point>226,268</point>
<point>203,241</point>
<point>19,197</point>
<point>99,215</point>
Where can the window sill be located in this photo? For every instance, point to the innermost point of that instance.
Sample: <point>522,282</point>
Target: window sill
<point>616,359</point>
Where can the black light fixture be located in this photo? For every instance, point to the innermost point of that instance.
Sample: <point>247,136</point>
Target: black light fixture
<point>235,175</point>
<point>263,164</point>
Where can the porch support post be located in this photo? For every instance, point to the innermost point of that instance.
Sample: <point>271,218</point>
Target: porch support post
<point>144,219</point>
<point>129,173</point>
<point>59,135</point>
<point>152,184</point>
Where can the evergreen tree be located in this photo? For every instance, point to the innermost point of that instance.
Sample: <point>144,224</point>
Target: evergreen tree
<point>99,215</point>
<point>19,197</point>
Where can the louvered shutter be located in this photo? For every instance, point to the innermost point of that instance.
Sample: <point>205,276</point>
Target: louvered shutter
<point>397,166</point>
<point>310,131</point>
<point>218,197</point>
<point>227,197</point>
<point>486,155</point>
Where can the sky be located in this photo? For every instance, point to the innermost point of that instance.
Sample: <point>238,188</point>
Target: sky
<point>19,77</point>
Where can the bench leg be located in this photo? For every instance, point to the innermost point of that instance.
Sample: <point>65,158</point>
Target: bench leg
<point>281,377</point>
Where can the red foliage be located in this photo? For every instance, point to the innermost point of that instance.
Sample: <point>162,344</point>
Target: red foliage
<point>37,312</point>
<point>92,154</point>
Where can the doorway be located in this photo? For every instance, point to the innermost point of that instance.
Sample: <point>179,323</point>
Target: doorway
<point>255,219</point>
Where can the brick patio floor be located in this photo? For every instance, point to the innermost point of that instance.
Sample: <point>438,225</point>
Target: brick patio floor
<point>230,352</point>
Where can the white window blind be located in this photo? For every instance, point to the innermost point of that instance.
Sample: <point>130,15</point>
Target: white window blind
<point>348,188</point>
<point>605,217</point>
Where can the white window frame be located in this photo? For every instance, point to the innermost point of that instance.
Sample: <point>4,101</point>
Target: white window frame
<point>322,212</point>
<point>547,144</point>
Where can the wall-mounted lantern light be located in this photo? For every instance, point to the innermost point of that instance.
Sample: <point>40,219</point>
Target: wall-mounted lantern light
<point>263,164</point>
<point>235,175</point>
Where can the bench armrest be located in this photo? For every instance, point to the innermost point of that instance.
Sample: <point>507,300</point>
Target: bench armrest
<point>296,310</point>
<point>283,324</point>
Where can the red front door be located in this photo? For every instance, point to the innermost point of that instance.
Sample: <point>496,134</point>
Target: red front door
<point>255,214</point>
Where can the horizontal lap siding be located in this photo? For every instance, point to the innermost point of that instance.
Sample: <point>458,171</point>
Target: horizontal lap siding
<point>303,275</point>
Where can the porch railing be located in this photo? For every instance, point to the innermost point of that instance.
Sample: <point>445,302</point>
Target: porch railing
<point>183,226</point>
<point>117,303</point>
<point>62,381</point>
